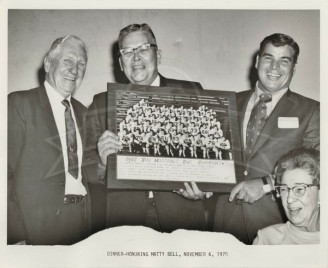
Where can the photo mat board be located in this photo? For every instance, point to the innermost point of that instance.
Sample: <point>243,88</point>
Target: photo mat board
<point>173,135</point>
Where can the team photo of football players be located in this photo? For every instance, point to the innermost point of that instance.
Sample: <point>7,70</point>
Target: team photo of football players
<point>173,132</point>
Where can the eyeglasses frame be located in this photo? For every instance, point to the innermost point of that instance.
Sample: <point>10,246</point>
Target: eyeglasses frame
<point>134,49</point>
<point>277,187</point>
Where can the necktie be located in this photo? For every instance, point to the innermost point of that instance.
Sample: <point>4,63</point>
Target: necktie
<point>256,122</point>
<point>71,141</point>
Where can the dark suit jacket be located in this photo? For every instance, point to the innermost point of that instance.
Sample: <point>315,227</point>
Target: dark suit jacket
<point>272,143</point>
<point>36,178</point>
<point>166,212</point>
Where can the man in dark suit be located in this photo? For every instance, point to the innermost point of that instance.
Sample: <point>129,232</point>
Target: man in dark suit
<point>163,211</point>
<point>47,194</point>
<point>290,120</point>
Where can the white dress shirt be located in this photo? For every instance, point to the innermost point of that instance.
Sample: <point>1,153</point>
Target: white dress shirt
<point>156,82</point>
<point>253,101</point>
<point>72,185</point>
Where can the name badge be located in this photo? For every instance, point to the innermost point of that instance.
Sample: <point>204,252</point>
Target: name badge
<point>288,122</point>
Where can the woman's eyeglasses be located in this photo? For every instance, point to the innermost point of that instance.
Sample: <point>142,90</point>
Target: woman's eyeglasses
<point>298,190</point>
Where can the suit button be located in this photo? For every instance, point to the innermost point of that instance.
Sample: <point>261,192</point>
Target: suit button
<point>58,212</point>
<point>245,172</point>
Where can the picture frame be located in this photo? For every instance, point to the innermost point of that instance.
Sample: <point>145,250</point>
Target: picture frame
<point>171,136</point>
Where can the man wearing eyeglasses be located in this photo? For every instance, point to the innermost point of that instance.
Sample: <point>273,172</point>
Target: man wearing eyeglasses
<point>273,120</point>
<point>163,211</point>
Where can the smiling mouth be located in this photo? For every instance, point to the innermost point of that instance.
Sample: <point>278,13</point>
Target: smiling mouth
<point>294,211</point>
<point>273,76</point>
<point>138,67</point>
<point>70,79</point>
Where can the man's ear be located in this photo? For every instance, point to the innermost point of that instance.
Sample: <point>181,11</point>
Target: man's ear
<point>257,61</point>
<point>159,56</point>
<point>120,61</point>
<point>294,69</point>
<point>46,64</point>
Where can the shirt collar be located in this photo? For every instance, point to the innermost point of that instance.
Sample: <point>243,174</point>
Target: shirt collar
<point>53,95</point>
<point>275,95</point>
<point>156,82</point>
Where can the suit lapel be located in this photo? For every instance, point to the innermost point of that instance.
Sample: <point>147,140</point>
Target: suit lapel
<point>283,106</point>
<point>242,101</point>
<point>48,115</point>
<point>54,139</point>
<point>162,81</point>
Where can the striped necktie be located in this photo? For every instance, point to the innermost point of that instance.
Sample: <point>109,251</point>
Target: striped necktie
<point>71,141</point>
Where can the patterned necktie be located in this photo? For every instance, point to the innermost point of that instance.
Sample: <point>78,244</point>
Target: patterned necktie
<point>256,122</point>
<point>71,141</point>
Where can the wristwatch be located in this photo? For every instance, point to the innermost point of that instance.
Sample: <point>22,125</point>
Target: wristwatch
<point>266,185</point>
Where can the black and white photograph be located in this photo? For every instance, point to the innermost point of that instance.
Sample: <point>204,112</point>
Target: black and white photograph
<point>189,128</point>
<point>172,135</point>
<point>143,134</point>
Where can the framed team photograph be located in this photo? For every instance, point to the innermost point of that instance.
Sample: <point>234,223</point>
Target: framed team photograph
<point>173,135</point>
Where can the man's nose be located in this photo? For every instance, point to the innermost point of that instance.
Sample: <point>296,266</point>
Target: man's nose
<point>74,69</point>
<point>275,65</point>
<point>136,55</point>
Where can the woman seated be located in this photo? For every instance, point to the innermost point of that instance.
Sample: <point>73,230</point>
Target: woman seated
<point>297,183</point>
